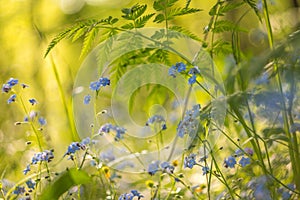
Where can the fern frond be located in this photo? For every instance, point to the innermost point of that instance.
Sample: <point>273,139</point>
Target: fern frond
<point>159,18</point>
<point>57,39</point>
<point>185,32</point>
<point>134,12</point>
<point>160,5</point>
<point>225,25</point>
<point>128,26</point>
<point>79,33</point>
<point>181,11</point>
<point>88,41</point>
<point>187,4</point>
<point>229,7</point>
<point>252,4</point>
<point>141,22</point>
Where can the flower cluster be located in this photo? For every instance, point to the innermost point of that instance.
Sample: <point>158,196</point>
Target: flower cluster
<point>130,196</point>
<point>45,156</point>
<point>33,115</point>
<point>181,67</point>
<point>9,84</point>
<point>243,161</point>
<point>95,86</point>
<point>106,128</point>
<point>157,119</point>
<point>164,167</point>
<point>190,162</point>
<point>76,146</point>
<point>178,67</point>
<point>189,124</point>
<point>194,72</point>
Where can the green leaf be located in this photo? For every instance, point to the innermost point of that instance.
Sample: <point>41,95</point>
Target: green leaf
<point>229,7</point>
<point>160,5</point>
<point>187,4</point>
<point>213,11</point>
<point>57,39</point>
<point>128,26</point>
<point>88,40</point>
<point>159,18</point>
<point>141,22</point>
<point>64,183</point>
<point>181,11</point>
<point>134,12</point>
<point>273,131</point>
<point>252,4</point>
<point>225,25</point>
<point>79,33</point>
<point>221,46</point>
<point>185,32</point>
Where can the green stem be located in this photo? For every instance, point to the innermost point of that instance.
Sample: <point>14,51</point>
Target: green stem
<point>182,116</point>
<point>293,143</point>
<point>75,136</point>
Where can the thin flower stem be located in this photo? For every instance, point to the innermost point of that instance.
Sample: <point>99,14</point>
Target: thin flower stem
<point>182,116</point>
<point>293,143</point>
<point>70,118</point>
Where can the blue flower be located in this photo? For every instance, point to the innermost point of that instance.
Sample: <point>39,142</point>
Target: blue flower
<point>179,67</point>
<point>87,99</point>
<point>172,71</point>
<point>190,161</point>
<point>130,196</point>
<point>9,84</point>
<point>193,71</point>
<point>137,194</point>
<point>86,141</point>
<point>244,161</point>
<point>30,184</point>
<point>32,101</point>
<point>26,170</point>
<point>19,190</point>
<point>72,148</point>
<point>6,88</point>
<point>12,98</point>
<point>205,170</point>
<point>167,167</point>
<point>126,196</point>
<point>96,85</point>
<point>157,119</point>
<point>42,156</point>
<point>12,81</point>
<point>285,193</point>
<point>153,167</point>
<point>104,81</point>
<point>249,151</point>
<point>42,121</point>
<point>262,193</point>
<point>192,80</point>
<point>190,122</point>
<point>229,162</point>
<point>106,128</point>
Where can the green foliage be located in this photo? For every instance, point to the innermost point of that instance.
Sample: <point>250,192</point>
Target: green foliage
<point>135,14</point>
<point>70,178</point>
<point>224,25</point>
<point>169,13</point>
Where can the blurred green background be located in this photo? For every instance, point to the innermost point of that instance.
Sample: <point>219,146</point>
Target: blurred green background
<point>27,27</point>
